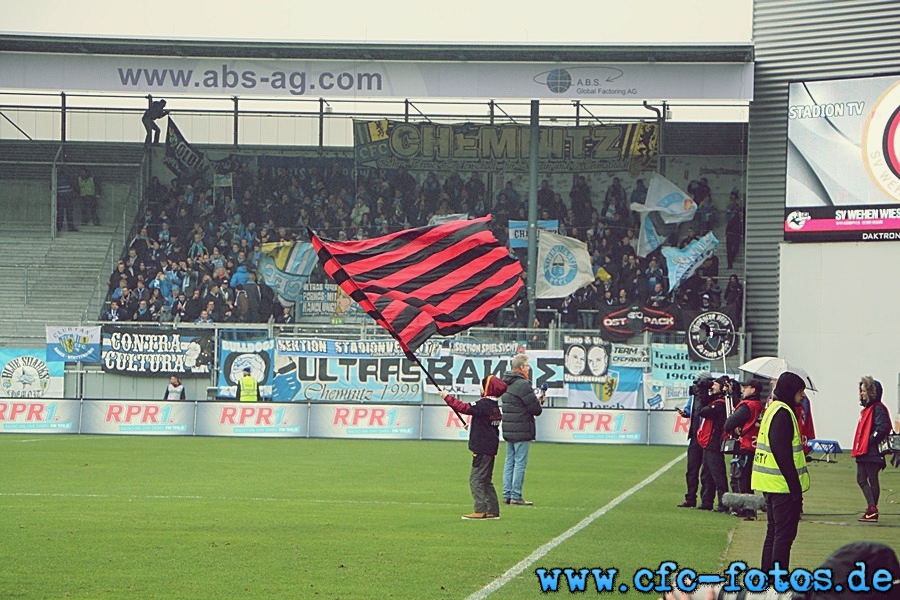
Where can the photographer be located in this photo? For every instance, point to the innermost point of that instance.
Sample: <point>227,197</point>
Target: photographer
<point>709,436</point>
<point>743,425</point>
<point>699,394</point>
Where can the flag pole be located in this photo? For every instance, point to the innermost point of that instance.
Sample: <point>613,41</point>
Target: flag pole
<point>415,358</point>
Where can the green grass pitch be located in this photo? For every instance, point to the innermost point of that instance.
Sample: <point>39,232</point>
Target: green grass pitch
<point>167,517</point>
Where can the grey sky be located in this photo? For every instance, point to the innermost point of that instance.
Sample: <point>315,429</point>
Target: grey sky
<point>597,22</point>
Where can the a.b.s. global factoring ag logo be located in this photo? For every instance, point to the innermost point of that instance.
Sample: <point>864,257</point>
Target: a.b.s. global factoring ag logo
<point>881,142</point>
<point>594,80</point>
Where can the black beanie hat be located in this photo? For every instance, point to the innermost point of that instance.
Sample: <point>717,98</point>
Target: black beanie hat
<point>787,387</point>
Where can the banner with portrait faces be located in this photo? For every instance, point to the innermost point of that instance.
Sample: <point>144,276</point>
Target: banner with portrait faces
<point>586,358</point>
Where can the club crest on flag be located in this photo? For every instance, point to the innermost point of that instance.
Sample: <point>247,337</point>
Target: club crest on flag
<point>560,267</point>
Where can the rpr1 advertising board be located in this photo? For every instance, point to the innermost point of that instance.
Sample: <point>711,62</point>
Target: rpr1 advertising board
<point>590,426</point>
<point>370,422</point>
<point>252,419</point>
<point>137,418</point>
<point>39,416</point>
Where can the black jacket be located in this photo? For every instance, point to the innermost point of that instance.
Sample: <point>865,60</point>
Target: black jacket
<point>520,406</point>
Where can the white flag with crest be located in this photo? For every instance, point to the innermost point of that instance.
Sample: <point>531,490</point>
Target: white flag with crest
<point>563,265</point>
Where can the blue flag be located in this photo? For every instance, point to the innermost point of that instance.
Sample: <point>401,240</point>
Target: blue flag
<point>685,261</point>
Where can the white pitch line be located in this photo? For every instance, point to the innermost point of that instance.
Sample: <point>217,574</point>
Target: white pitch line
<point>538,554</point>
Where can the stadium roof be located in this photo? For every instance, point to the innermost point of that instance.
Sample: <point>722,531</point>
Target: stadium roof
<point>638,53</point>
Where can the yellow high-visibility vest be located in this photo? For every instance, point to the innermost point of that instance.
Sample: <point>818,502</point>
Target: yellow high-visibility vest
<point>248,389</point>
<point>767,477</point>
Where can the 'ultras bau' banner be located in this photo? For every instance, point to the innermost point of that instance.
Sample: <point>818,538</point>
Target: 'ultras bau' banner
<point>488,148</point>
<point>25,374</point>
<point>461,373</point>
<point>313,370</point>
<point>236,355</point>
<point>136,351</point>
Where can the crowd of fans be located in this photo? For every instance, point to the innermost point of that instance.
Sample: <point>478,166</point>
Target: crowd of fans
<point>197,251</point>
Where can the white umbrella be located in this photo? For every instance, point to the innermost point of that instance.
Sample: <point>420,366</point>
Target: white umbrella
<point>771,367</point>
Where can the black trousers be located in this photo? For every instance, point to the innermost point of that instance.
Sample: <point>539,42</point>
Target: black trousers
<point>692,475</point>
<point>741,471</point>
<point>867,478</point>
<point>714,469</point>
<point>783,517</point>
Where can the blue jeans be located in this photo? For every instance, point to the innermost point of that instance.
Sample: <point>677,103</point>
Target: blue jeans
<point>514,469</point>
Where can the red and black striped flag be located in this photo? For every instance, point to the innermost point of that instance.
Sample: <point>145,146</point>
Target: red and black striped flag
<point>418,282</point>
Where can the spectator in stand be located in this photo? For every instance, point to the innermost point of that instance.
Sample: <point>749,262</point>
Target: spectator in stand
<point>143,312</point>
<point>690,237</point>
<point>712,289</point>
<point>117,276</point>
<point>568,311</point>
<point>204,317</point>
<point>512,196</point>
<point>141,292</point>
<point>710,267</point>
<point>65,199</point>
<point>128,303</point>
<point>654,274</point>
<point>156,192</point>
<point>241,311</point>
<point>580,197</point>
<point>453,187</point>
<point>588,302</point>
<point>156,110</point>
<point>614,202</point>
<point>252,290</point>
<point>161,283</point>
<point>89,191</point>
<point>734,227</point>
<point>706,215</point>
<point>734,298</point>
<point>639,193</point>
<point>113,313</point>
<point>179,307</point>
<point>545,197</point>
<point>658,297</point>
<point>431,191</point>
<point>474,187</point>
<point>286,317</point>
<point>193,306</point>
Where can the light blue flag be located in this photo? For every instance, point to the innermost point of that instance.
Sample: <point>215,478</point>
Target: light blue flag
<point>285,267</point>
<point>684,262</point>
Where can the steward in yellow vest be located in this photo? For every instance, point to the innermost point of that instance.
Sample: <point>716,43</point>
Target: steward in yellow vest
<point>779,470</point>
<point>248,388</point>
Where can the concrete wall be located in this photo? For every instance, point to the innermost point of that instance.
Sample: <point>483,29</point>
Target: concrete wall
<point>836,305</point>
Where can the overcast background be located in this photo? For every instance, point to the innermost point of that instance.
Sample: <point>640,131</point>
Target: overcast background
<point>596,22</point>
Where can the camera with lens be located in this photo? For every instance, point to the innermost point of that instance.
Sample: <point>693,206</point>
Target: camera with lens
<point>701,388</point>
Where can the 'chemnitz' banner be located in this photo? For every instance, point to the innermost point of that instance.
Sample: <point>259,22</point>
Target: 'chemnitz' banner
<point>488,148</point>
<point>137,351</point>
<point>236,355</point>
<point>315,370</point>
